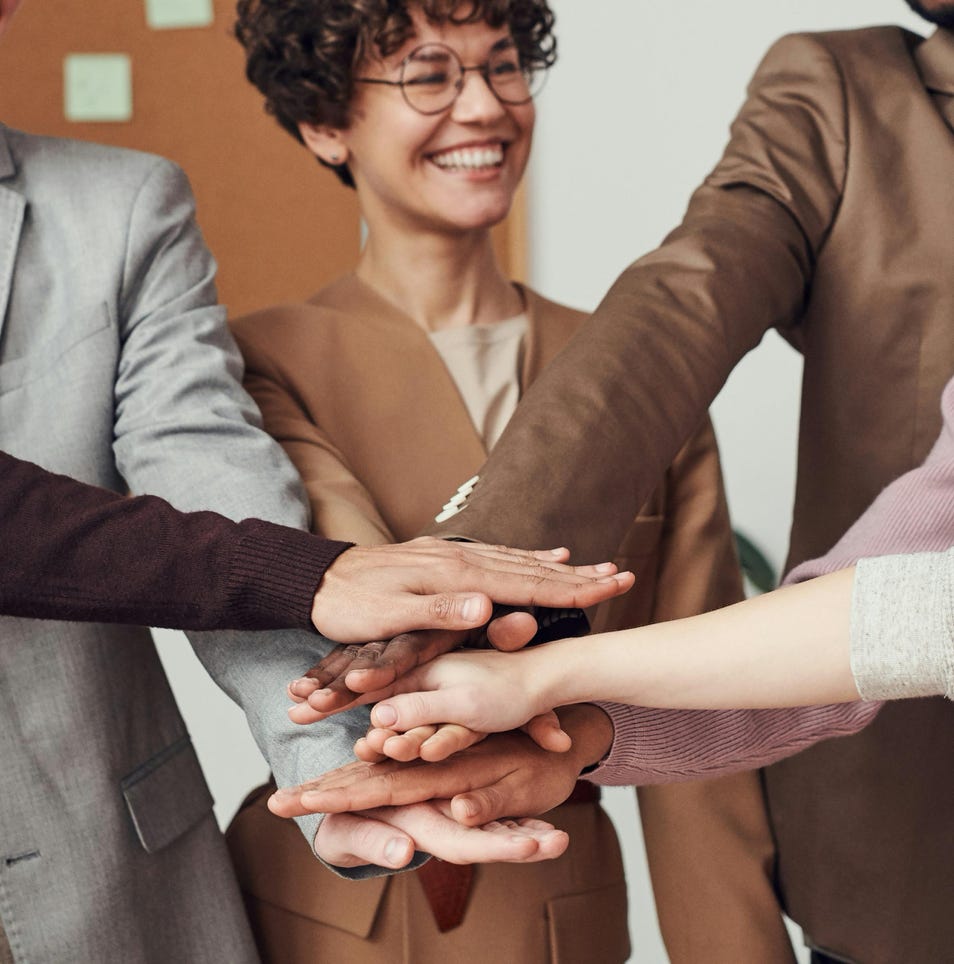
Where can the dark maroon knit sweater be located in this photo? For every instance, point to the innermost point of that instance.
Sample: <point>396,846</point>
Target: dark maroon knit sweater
<point>74,551</point>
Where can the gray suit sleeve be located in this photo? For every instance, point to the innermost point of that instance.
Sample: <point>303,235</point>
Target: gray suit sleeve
<point>186,430</point>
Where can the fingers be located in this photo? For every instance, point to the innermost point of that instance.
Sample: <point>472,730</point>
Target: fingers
<point>546,732</point>
<point>352,840</point>
<point>327,677</point>
<point>405,711</point>
<point>401,655</point>
<point>407,746</point>
<point>358,786</point>
<point>507,840</point>
<point>365,752</point>
<point>430,743</point>
<point>379,591</point>
<point>387,837</point>
<point>448,740</point>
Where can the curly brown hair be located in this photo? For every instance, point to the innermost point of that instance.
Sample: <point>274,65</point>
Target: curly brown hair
<point>301,54</point>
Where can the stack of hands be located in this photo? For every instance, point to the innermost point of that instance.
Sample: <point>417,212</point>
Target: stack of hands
<point>462,742</point>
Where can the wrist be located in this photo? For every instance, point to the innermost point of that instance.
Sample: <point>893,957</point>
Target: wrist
<point>546,677</point>
<point>591,731</point>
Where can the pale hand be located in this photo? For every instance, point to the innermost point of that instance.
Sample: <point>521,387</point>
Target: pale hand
<point>388,836</point>
<point>378,592</point>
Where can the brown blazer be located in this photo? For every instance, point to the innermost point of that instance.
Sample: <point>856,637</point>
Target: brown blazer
<point>370,416</point>
<point>831,218</point>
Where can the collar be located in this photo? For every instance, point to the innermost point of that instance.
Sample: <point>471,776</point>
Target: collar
<point>935,61</point>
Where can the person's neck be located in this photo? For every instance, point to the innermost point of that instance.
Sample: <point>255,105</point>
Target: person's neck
<point>440,281</point>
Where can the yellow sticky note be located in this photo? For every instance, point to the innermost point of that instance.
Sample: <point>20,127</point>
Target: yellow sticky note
<point>174,14</point>
<point>97,87</point>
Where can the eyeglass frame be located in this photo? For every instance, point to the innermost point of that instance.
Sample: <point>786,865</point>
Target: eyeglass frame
<point>484,69</point>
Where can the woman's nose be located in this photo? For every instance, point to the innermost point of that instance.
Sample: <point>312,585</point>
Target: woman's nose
<point>476,102</point>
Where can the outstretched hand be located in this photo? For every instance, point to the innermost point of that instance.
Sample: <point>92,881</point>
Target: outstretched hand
<point>379,592</point>
<point>503,775</point>
<point>483,691</point>
<point>435,743</point>
<point>388,837</point>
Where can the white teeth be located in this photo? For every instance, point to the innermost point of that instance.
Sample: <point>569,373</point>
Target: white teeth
<point>469,159</point>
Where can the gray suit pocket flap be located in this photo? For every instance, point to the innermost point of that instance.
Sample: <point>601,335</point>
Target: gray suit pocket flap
<point>167,795</point>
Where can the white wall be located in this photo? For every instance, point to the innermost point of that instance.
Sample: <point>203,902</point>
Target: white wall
<point>632,118</point>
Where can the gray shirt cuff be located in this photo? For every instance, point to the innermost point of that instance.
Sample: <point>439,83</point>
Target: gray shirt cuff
<point>902,626</point>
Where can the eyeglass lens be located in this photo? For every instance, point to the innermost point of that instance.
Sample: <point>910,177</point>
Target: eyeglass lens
<point>433,76</point>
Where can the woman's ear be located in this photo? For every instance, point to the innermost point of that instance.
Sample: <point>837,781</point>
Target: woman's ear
<point>325,142</point>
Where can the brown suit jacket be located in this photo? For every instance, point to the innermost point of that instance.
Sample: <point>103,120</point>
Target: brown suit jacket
<point>831,218</point>
<point>373,421</point>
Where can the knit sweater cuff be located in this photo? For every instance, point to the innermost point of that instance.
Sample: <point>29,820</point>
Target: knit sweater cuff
<point>274,573</point>
<point>902,626</point>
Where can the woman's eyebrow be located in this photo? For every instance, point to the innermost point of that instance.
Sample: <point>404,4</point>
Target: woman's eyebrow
<point>503,43</point>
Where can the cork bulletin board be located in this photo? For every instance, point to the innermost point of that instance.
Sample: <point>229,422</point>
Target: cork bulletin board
<point>170,77</point>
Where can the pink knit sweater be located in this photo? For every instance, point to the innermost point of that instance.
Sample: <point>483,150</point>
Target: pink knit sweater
<point>913,514</point>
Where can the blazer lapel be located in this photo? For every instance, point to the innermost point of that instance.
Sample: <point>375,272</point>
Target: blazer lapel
<point>404,429</point>
<point>12,208</point>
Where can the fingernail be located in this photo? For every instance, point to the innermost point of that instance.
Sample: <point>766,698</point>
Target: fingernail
<point>385,715</point>
<point>395,851</point>
<point>471,609</point>
<point>557,552</point>
<point>468,806</point>
<point>606,567</point>
<point>303,682</point>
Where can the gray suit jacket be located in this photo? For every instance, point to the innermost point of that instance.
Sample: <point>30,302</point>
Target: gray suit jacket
<point>116,368</point>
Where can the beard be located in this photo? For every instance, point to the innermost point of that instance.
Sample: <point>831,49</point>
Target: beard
<point>942,13</point>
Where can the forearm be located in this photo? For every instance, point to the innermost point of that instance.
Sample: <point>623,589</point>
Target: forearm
<point>787,648</point>
<point>604,412</point>
<point>79,552</point>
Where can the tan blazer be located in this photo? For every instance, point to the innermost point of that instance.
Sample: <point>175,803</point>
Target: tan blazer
<point>373,421</point>
<point>830,217</point>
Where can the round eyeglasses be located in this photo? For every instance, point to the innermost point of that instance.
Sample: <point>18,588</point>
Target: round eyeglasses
<point>432,77</point>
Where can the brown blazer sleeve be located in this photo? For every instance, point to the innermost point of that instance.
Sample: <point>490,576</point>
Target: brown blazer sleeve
<point>341,506</point>
<point>698,568</point>
<point>597,430</point>
<point>75,551</point>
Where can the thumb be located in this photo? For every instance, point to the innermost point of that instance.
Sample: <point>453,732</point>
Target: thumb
<point>405,711</point>
<point>479,806</point>
<point>448,610</point>
<point>546,732</point>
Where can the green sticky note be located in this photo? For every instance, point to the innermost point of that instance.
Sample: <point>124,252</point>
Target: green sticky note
<point>97,87</point>
<point>174,14</point>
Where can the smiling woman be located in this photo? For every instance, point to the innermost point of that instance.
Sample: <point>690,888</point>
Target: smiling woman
<point>387,388</point>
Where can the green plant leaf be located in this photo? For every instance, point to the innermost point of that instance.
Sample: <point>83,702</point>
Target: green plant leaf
<point>755,567</point>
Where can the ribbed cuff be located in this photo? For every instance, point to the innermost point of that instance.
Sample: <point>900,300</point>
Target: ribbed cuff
<point>275,572</point>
